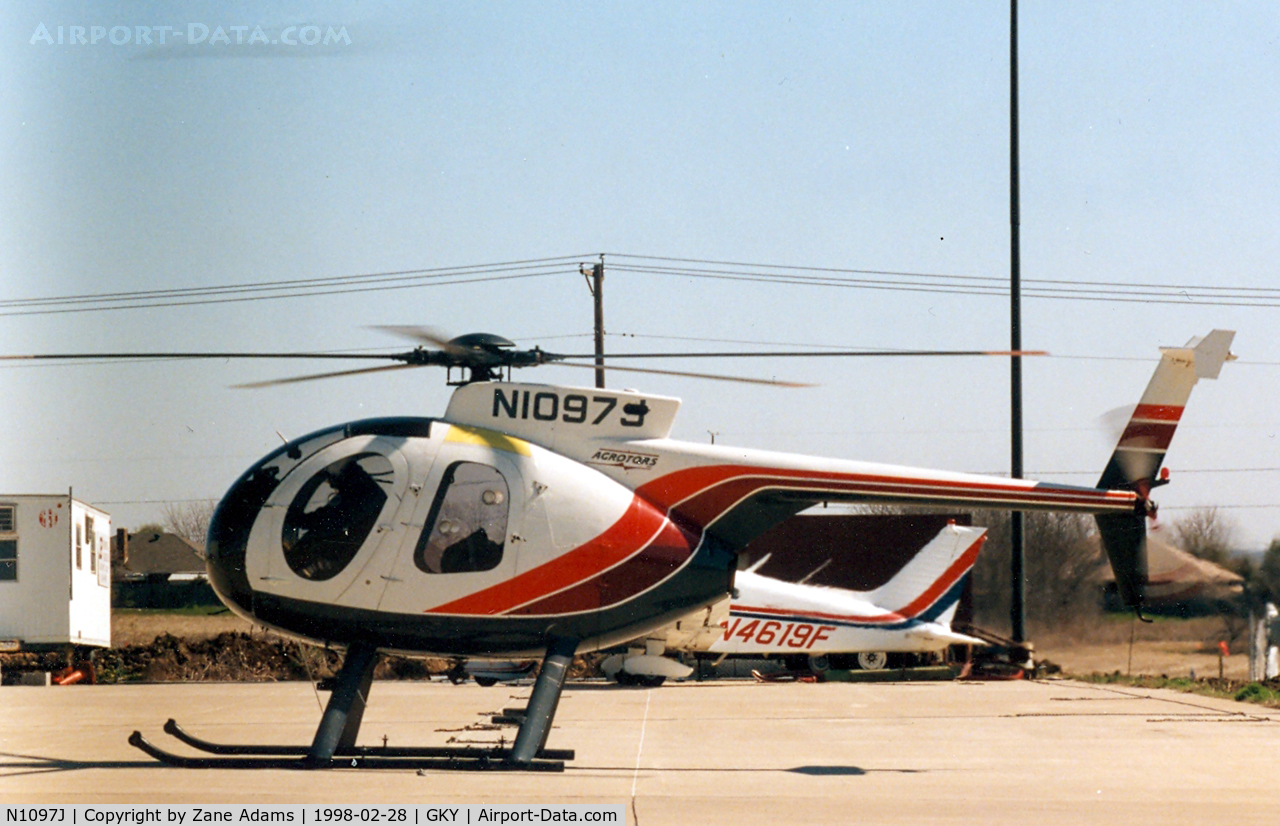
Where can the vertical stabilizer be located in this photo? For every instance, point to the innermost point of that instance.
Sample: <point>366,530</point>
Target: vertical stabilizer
<point>1142,446</point>
<point>929,583</point>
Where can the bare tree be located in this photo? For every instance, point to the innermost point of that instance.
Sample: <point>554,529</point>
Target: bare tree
<point>190,520</point>
<point>1063,563</point>
<point>1063,566</point>
<point>1207,534</point>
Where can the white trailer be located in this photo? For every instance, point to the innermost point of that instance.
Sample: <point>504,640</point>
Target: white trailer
<point>55,572</point>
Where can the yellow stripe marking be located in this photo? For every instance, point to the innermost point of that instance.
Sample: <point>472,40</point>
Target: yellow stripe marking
<point>487,438</point>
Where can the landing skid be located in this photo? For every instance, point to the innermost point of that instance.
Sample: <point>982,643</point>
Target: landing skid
<point>458,758</point>
<point>334,745</point>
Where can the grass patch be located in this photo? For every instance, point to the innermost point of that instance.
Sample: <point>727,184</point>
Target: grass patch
<point>1263,694</point>
<point>1258,693</point>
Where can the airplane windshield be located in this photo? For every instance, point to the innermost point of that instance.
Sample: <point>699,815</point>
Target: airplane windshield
<point>333,513</point>
<point>467,528</point>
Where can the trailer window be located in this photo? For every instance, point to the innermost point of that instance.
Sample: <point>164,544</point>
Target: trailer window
<point>93,545</point>
<point>6,519</point>
<point>467,528</point>
<point>8,560</point>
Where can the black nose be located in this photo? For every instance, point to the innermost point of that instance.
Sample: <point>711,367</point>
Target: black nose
<point>229,535</point>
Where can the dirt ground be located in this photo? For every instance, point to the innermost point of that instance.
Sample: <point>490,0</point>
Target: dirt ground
<point>1100,644</point>
<point>131,627</point>
<point>1165,647</point>
<point>1173,658</point>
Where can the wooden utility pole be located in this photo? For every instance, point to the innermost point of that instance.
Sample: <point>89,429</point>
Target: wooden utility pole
<point>596,285</point>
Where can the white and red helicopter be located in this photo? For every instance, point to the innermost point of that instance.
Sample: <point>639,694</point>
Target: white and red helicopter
<point>910,613</point>
<point>534,520</point>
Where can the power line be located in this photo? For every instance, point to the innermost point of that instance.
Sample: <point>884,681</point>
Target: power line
<point>1205,295</point>
<point>1219,507</point>
<point>297,288</point>
<point>710,340</point>
<point>994,279</point>
<point>261,285</point>
<point>784,274</point>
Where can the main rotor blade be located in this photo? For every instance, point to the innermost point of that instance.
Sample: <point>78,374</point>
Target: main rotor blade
<point>713,376</point>
<point>807,353</point>
<point>316,376</point>
<point>426,335</point>
<point>203,355</point>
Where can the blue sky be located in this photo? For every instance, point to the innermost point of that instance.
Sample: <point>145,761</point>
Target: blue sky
<point>848,135</point>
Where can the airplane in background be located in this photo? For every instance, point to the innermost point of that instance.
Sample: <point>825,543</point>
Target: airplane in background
<point>815,624</point>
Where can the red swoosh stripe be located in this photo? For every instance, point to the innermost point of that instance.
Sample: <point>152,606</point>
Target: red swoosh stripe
<point>639,528</point>
<point>704,494</point>
<point>660,559</point>
<point>1148,435</point>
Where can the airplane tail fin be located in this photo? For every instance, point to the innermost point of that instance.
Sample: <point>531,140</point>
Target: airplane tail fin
<point>948,614</point>
<point>1136,462</point>
<point>928,586</point>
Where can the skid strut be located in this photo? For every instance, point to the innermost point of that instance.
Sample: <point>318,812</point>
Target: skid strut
<point>541,710</point>
<point>334,742</point>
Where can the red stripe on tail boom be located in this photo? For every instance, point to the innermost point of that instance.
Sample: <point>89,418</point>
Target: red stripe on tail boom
<point>1159,412</point>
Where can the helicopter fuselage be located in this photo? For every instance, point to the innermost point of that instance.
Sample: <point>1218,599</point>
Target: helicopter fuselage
<point>527,512</point>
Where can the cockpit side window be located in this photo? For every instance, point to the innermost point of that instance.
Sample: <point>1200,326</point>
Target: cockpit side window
<point>331,516</point>
<point>467,527</point>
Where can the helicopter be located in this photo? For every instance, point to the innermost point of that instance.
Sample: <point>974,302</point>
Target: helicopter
<point>544,521</point>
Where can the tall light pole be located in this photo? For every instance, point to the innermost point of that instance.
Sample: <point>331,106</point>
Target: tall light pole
<point>1017,607</point>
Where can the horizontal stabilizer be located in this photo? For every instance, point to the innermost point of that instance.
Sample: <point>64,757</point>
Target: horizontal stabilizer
<point>941,632</point>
